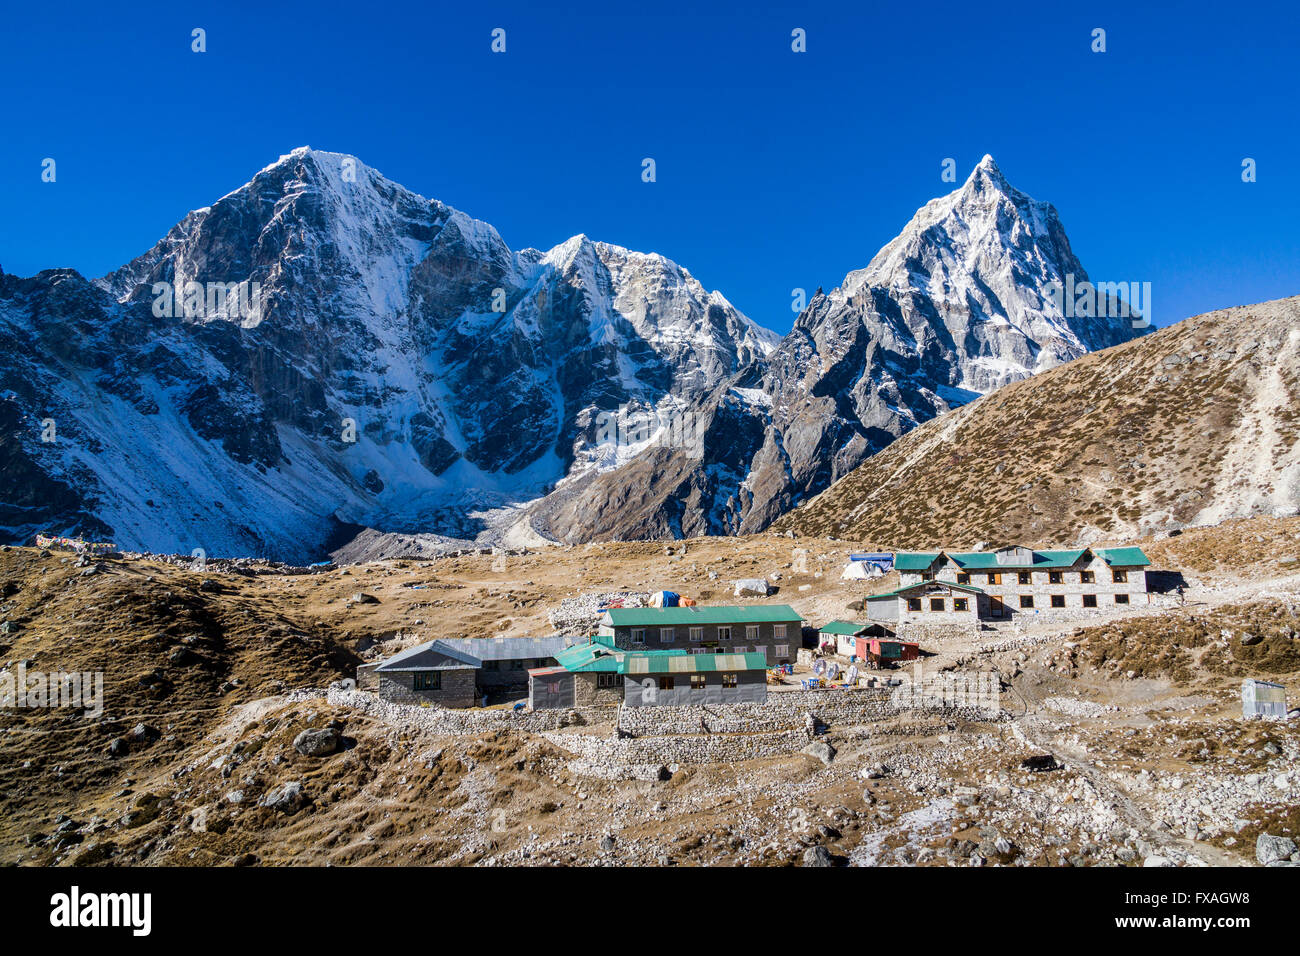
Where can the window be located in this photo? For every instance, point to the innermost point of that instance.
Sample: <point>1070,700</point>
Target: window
<point>914,604</point>
<point>1119,577</point>
<point>936,604</point>
<point>959,604</point>
<point>700,650</point>
<point>606,680</point>
<point>729,680</point>
<point>782,650</point>
<point>1090,600</point>
<point>697,633</point>
<point>1121,598</point>
<point>666,683</point>
<point>666,635</point>
<point>1087,577</point>
<point>1025,577</point>
<point>751,632</point>
<point>697,682</point>
<point>963,577</point>
<point>1055,577</point>
<point>1058,600</point>
<point>428,680</point>
<point>638,635</point>
<point>1026,600</point>
<point>778,631</point>
<point>724,634</point>
<point>995,577</point>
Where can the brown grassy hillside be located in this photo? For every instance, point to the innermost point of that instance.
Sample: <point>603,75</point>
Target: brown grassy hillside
<point>1192,425</point>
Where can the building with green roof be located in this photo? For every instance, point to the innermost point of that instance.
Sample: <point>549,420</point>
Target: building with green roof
<point>948,587</point>
<point>774,630</point>
<point>600,672</point>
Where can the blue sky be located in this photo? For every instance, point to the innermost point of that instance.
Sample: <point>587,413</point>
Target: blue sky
<point>776,170</point>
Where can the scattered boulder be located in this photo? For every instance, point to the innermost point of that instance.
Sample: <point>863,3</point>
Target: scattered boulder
<point>817,856</point>
<point>317,743</point>
<point>1270,849</point>
<point>752,587</point>
<point>288,798</point>
<point>361,597</point>
<point>118,747</point>
<point>821,750</point>
<point>181,656</point>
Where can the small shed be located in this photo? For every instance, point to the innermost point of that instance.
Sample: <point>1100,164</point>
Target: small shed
<point>886,651</point>
<point>550,688</point>
<point>841,634</point>
<point>1261,698</point>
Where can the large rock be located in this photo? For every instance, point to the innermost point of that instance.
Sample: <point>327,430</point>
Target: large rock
<point>817,856</point>
<point>1270,849</point>
<point>752,587</point>
<point>821,750</point>
<point>317,743</point>
<point>288,798</point>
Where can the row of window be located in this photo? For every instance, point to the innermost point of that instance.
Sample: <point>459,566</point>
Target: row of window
<point>1027,577</point>
<point>668,635</point>
<point>1026,602</point>
<point>665,682</point>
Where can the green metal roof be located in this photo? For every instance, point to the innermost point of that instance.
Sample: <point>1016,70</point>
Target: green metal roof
<point>589,658</point>
<point>671,616</point>
<point>1040,560</point>
<point>951,585</point>
<point>840,627</point>
<point>660,663</point>
<point>600,658</point>
<point>988,560</point>
<point>1123,557</point>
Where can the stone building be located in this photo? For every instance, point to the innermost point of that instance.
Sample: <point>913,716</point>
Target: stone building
<point>939,587</point>
<point>459,672</point>
<point>600,672</point>
<point>774,630</point>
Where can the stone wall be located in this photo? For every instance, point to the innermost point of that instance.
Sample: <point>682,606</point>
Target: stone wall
<point>458,688</point>
<point>586,693</point>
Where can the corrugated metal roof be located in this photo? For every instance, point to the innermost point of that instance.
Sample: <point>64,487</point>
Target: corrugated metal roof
<point>671,616</point>
<point>589,657</point>
<point>921,585</point>
<point>988,560</point>
<point>431,656</point>
<point>666,663</point>
<point>840,627</point>
<point>1132,557</point>
<point>508,648</point>
<point>914,560</point>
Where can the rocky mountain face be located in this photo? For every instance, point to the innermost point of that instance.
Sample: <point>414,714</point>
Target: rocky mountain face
<point>1194,425</point>
<point>325,346</point>
<point>323,349</point>
<point>960,303</point>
